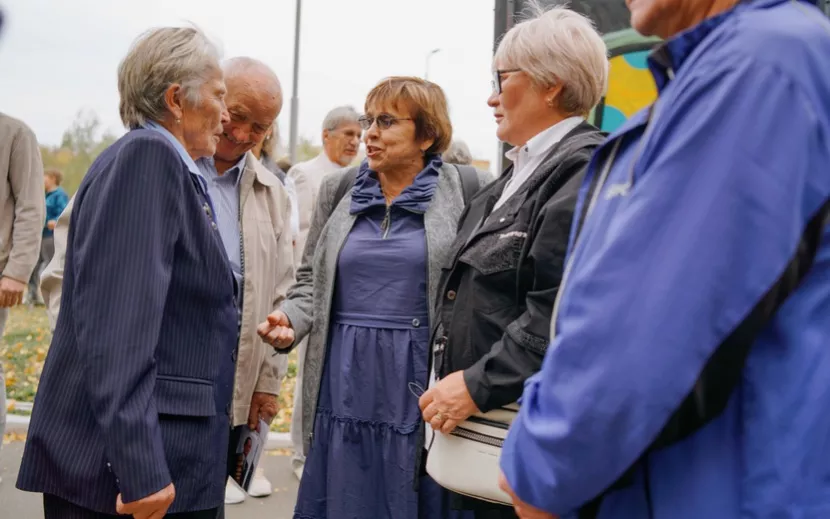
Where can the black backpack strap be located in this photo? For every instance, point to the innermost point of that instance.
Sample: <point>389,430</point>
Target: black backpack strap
<point>469,181</point>
<point>722,372</point>
<point>345,185</point>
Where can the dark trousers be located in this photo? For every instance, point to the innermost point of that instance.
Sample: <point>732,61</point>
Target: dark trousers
<point>57,508</point>
<point>481,509</point>
<point>47,250</point>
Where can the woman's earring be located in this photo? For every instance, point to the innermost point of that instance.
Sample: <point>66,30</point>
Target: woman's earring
<point>551,103</point>
<point>178,121</point>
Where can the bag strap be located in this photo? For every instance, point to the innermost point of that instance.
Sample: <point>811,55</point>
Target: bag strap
<point>469,181</point>
<point>722,372</point>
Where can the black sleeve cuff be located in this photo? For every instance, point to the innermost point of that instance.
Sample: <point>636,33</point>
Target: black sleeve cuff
<point>477,385</point>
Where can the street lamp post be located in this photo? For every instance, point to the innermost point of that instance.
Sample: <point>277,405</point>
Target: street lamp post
<point>429,56</point>
<point>295,100</point>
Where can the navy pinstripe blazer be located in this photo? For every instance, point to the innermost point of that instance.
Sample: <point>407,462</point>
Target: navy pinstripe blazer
<point>138,380</point>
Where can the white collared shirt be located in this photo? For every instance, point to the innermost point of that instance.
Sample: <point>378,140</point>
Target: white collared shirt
<point>529,157</point>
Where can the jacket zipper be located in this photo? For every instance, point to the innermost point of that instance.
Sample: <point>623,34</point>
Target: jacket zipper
<point>600,184</point>
<point>595,196</point>
<point>387,222</point>
<point>478,437</point>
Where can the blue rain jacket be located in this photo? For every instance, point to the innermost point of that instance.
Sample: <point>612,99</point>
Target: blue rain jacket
<point>698,217</point>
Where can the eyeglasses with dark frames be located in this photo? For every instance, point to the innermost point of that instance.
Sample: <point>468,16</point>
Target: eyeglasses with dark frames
<point>384,121</point>
<point>495,83</point>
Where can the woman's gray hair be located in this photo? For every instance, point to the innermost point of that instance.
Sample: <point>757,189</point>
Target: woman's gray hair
<point>458,153</point>
<point>338,116</point>
<point>558,45</point>
<point>160,58</point>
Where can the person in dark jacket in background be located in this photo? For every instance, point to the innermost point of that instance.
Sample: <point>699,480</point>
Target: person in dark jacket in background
<point>496,295</point>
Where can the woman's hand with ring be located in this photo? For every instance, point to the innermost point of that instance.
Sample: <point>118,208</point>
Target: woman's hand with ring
<point>448,403</point>
<point>277,331</point>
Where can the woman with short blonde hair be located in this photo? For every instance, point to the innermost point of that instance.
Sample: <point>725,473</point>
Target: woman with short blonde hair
<point>363,297</point>
<point>558,46</point>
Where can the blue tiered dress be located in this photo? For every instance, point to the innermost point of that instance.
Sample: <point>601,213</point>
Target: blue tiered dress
<point>361,464</point>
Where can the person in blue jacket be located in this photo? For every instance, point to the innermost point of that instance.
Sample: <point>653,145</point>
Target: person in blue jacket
<point>701,268</point>
<point>56,202</point>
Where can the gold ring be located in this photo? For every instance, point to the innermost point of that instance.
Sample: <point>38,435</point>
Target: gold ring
<point>439,416</point>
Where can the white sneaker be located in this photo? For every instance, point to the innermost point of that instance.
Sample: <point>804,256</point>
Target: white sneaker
<point>233,493</point>
<point>260,486</point>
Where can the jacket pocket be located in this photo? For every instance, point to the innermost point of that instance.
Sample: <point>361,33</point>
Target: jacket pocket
<point>184,396</point>
<point>496,252</point>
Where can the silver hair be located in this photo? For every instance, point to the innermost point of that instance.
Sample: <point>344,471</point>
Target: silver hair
<point>160,58</point>
<point>558,45</point>
<point>458,153</point>
<point>338,116</point>
<point>244,65</point>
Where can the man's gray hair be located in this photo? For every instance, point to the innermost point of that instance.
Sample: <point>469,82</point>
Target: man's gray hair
<point>338,116</point>
<point>160,58</point>
<point>242,65</point>
<point>558,45</point>
<point>458,153</point>
<point>269,144</point>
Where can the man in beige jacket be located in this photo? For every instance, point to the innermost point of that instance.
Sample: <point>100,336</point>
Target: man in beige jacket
<point>253,213</point>
<point>22,215</point>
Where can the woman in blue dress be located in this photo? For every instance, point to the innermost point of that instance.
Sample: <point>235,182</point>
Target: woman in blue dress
<point>371,264</point>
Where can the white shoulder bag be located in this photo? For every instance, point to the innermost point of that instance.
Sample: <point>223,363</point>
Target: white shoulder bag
<point>466,461</point>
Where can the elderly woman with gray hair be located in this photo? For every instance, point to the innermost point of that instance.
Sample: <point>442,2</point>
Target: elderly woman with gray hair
<point>497,292</point>
<point>132,413</point>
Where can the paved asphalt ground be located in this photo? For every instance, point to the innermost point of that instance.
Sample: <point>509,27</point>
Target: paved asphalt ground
<point>15,504</point>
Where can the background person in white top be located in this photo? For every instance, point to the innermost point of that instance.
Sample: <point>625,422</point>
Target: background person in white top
<point>341,140</point>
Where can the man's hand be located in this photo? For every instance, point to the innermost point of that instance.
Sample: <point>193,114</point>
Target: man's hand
<point>523,510</point>
<point>277,330</point>
<point>151,507</point>
<point>448,403</point>
<point>11,292</point>
<point>51,224</point>
<point>263,406</point>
